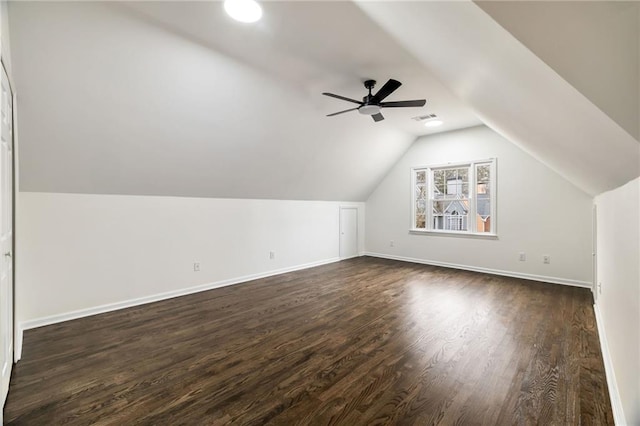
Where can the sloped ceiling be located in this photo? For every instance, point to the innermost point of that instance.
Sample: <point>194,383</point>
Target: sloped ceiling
<point>513,91</point>
<point>594,45</point>
<point>174,98</point>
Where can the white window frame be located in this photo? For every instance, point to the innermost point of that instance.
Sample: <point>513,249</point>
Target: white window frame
<point>473,187</point>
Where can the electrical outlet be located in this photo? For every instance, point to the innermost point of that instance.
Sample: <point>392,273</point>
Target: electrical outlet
<point>196,267</point>
<point>599,287</point>
<point>391,243</point>
<point>523,256</point>
<point>272,255</point>
<point>546,259</point>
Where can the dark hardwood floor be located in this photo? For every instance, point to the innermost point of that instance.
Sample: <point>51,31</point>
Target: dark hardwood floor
<point>359,342</point>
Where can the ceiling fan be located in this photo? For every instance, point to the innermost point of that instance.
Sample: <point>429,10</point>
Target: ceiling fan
<point>371,104</point>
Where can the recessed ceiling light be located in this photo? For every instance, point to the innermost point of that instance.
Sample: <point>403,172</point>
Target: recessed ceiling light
<point>243,10</point>
<point>433,123</point>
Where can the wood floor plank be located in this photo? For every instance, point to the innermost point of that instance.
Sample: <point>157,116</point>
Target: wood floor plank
<point>363,341</point>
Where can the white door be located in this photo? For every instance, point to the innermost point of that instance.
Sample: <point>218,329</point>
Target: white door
<point>348,232</point>
<point>6,234</point>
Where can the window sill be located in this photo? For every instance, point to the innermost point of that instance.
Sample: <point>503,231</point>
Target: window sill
<point>481,235</point>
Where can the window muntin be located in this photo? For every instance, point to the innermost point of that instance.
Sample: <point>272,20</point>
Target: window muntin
<point>458,198</point>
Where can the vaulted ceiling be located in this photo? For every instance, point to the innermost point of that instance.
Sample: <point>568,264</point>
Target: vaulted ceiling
<point>174,98</point>
<point>593,45</point>
<point>514,92</point>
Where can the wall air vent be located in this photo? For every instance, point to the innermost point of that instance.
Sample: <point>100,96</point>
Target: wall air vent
<point>424,117</point>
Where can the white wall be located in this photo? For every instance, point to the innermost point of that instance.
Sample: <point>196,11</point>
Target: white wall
<point>619,301</point>
<point>4,37</point>
<point>77,253</point>
<point>539,213</point>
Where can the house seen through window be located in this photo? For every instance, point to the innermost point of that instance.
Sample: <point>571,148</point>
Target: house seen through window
<point>456,198</point>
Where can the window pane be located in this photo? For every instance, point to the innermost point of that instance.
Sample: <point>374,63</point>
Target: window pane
<point>420,199</point>
<point>483,178</point>
<point>483,200</point>
<point>463,178</point>
<point>453,183</point>
<point>438,207</point>
<point>454,187</point>
<point>438,184</point>
<point>451,215</point>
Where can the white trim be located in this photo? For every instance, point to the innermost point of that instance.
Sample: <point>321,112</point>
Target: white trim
<point>17,348</point>
<point>486,235</point>
<point>541,278</point>
<point>472,196</point>
<point>351,257</point>
<point>17,330</point>
<point>454,163</point>
<point>81,313</point>
<point>612,384</point>
<point>594,252</point>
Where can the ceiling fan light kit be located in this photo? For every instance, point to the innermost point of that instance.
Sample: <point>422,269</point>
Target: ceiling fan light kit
<point>369,109</point>
<point>372,104</point>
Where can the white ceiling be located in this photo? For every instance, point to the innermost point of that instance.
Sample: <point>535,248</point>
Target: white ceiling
<point>175,98</point>
<point>514,92</point>
<point>293,43</point>
<point>594,45</point>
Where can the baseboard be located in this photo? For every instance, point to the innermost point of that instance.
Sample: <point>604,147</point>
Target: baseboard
<point>542,278</point>
<point>17,347</point>
<point>54,319</point>
<point>612,384</point>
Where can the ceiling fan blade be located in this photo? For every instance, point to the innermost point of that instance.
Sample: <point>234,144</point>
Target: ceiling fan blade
<point>388,88</point>
<point>343,98</point>
<point>342,112</point>
<point>377,117</point>
<point>399,104</point>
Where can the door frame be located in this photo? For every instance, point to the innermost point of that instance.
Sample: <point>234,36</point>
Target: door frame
<point>594,254</point>
<point>17,331</point>
<point>340,232</point>
<point>14,185</point>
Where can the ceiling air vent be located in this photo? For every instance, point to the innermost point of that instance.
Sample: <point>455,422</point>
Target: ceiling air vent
<point>424,117</point>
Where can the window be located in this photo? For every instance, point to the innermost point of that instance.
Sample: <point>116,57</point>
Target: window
<point>457,198</point>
